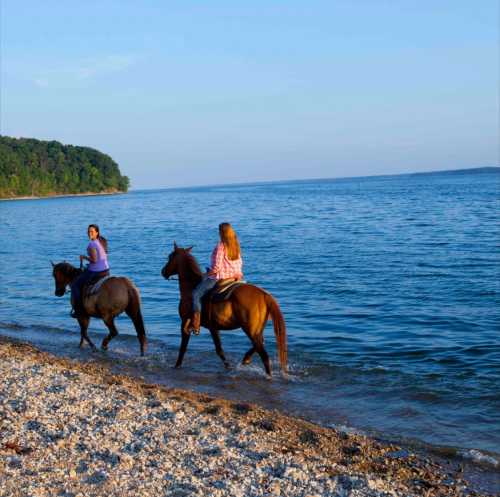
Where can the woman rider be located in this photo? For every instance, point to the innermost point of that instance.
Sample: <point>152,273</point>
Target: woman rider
<point>225,263</point>
<point>97,255</point>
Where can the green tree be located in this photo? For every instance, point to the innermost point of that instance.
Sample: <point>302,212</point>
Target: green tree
<point>35,167</point>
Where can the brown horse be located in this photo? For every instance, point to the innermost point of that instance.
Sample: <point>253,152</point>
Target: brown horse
<point>249,307</point>
<point>117,294</point>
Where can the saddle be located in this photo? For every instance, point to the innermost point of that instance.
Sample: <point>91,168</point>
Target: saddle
<point>222,291</point>
<point>95,285</point>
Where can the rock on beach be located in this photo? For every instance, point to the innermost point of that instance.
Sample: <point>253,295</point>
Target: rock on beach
<point>72,430</point>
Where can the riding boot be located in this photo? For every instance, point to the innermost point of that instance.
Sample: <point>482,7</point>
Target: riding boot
<point>77,310</point>
<point>75,313</point>
<point>195,322</point>
<point>187,326</point>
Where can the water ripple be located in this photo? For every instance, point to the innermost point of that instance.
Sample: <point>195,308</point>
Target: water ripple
<point>390,288</point>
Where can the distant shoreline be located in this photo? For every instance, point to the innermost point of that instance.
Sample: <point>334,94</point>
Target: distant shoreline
<point>62,195</point>
<point>451,172</point>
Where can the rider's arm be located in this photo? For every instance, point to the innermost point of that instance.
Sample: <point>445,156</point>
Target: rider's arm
<point>92,257</point>
<point>217,259</point>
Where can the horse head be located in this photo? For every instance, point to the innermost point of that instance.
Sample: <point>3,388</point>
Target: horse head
<point>176,261</point>
<point>63,273</point>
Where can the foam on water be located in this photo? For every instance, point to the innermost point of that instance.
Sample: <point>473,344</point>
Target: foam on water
<point>481,457</point>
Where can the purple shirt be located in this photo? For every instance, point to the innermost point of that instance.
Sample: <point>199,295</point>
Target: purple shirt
<point>102,258</point>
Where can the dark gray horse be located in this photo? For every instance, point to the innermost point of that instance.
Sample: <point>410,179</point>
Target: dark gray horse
<point>116,295</point>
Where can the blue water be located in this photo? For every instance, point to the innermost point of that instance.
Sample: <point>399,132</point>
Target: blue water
<point>390,287</point>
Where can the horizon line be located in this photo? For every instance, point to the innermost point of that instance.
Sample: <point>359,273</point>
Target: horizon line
<point>331,178</point>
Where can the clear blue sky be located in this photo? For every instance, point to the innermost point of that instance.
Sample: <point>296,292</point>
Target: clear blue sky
<point>189,93</point>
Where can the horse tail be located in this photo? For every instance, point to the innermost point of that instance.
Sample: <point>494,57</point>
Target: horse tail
<point>135,314</point>
<point>279,330</point>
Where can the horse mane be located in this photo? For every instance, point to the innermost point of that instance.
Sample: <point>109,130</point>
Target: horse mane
<point>68,269</point>
<point>192,264</point>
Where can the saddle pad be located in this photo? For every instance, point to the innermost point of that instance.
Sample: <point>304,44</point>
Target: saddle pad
<point>93,289</point>
<point>221,293</point>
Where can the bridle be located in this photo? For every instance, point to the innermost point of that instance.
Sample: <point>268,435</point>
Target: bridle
<point>65,288</point>
<point>171,277</point>
<point>66,275</point>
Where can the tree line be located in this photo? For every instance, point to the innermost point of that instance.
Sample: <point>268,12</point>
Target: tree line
<point>30,167</point>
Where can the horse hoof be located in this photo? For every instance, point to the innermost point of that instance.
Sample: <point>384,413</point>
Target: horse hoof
<point>246,362</point>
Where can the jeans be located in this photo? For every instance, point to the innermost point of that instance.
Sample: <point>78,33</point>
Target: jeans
<point>83,279</point>
<point>203,287</point>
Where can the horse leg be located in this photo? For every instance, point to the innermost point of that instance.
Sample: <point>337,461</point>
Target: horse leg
<point>218,346</point>
<point>83,321</point>
<point>248,356</point>
<point>134,313</point>
<point>258,344</point>
<point>265,357</point>
<point>184,343</point>
<point>110,323</point>
<point>247,359</point>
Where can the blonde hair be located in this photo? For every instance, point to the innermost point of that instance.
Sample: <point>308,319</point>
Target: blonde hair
<point>230,240</point>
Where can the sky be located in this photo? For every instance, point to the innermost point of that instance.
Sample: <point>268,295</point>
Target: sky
<point>185,93</point>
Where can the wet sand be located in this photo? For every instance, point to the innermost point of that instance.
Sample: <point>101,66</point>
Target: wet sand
<point>73,429</point>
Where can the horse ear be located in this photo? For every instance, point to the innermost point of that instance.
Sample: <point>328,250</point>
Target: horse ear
<point>175,245</point>
<point>53,265</point>
<point>189,248</point>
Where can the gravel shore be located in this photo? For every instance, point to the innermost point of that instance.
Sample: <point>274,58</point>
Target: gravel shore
<point>70,429</point>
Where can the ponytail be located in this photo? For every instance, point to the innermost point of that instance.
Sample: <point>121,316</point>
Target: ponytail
<point>103,242</point>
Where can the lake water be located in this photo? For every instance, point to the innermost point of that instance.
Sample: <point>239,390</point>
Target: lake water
<point>390,288</point>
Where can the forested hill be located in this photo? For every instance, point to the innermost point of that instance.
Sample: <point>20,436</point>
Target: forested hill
<point>30,167</point>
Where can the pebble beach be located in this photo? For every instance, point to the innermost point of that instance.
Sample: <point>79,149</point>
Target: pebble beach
<point>70,429</point>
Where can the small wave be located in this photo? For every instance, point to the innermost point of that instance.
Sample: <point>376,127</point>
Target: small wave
<point>379,368</point>
<point>433,275</point>
<point>31,327</point>
<point>347,429</point>
<point>487,293</point>
<point>12,326</point>
<point>480,457</point>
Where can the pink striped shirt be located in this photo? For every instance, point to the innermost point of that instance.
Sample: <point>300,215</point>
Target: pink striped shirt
<point>222,266</point>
